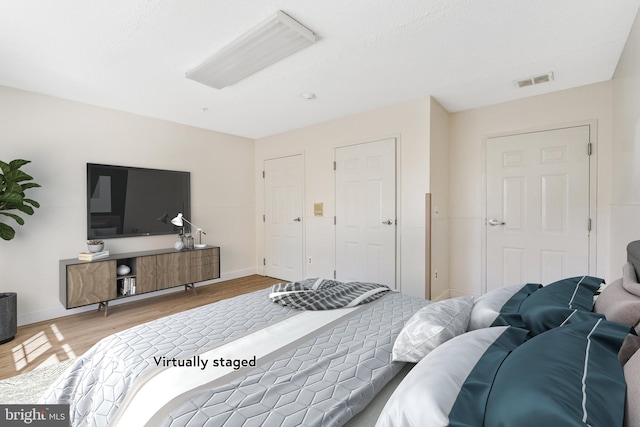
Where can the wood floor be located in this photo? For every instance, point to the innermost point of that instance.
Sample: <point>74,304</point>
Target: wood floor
<point>56,340</point>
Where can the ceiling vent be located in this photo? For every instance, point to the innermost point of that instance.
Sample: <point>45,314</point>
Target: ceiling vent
<point>269,42</point>
<point>535,80</point>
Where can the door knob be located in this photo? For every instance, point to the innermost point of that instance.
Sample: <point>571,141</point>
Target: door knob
<point>493,222</point>
<point>297,219</point>
<point>388,222</point>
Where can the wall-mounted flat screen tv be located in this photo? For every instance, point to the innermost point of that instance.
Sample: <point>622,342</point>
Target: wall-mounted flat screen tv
<point>127,201</point>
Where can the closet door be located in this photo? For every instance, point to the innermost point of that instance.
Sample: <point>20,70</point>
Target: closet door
<point>538,204</point>
<point>283,218</point>
<point>366,226</point>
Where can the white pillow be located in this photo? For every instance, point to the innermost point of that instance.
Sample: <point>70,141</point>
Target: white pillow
<point>431,326</point>
<point>488,307</point>
<point>427,396</point>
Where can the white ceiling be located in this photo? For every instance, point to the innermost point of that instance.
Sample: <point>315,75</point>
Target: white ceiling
<point>132,55</point>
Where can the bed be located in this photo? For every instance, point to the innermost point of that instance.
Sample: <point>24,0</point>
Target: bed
<point>328,371</point>
<point>515,356</point>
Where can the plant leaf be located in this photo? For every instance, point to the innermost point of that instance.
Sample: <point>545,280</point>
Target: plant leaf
<point>32,203</point>
<point>25,208</point>
<point>29,185</point>
<point>18,163</point>
<point>17,176</point>
<point>14,187</point>
<point>9,198</point>
<point>18,219</point>
<point>6,232</point>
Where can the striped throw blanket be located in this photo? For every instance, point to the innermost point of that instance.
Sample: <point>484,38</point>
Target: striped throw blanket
<point>325,294</point>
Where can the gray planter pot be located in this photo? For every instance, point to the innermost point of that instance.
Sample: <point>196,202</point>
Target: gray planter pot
<point>8,316</point>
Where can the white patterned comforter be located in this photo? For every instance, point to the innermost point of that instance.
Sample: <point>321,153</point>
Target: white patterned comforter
<point>321,380</point>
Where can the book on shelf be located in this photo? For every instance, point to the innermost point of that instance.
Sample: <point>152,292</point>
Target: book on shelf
<point>90,256</point>
<point>127,286</point>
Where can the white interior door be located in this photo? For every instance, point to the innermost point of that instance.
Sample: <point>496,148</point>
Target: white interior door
<point>283,181</point>
<point>537,217</point>
<point>366,212</point>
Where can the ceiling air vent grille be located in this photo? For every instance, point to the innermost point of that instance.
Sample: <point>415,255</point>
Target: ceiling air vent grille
<point>535,80</point>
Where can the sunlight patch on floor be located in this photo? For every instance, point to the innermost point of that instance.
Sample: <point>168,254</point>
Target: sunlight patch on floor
<point>30,350</point>
<point>19,358</point>
<point>56,332</point>
<point>39,346</point>
<point>67,349</point>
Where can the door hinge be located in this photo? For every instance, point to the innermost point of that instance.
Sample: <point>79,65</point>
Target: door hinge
<point>334,166</point>
<point>589,225</point>
<point>334,274</point>
<point>264,261</point>
<point>334,220</point>
<point>262,174</point>
<point>589,148</point>
<point>264,218</point>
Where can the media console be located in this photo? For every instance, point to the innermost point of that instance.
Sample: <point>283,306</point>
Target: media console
<point>97,282</point>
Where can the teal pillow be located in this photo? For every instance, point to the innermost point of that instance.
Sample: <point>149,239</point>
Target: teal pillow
<point>551,305</point>
<point>568,376</point>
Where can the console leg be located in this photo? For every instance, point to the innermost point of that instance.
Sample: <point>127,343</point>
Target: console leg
<point>192,286</point>
<point>105,305</point>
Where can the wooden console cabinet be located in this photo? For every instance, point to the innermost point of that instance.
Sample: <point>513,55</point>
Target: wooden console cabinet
<point>97,282</point>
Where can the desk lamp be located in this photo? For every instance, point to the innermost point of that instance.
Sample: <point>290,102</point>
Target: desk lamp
<point>179,221</point>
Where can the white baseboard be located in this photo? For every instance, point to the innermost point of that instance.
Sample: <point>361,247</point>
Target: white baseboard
<point>53,313</point>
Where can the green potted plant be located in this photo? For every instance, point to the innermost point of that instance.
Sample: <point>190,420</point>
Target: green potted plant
<point>13,203</point>
<point>13,183</point>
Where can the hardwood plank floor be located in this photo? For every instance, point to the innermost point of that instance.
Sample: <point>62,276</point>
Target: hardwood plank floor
<point>56,340</point>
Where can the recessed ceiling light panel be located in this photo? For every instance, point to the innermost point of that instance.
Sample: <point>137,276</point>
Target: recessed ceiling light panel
<point>269,42</point>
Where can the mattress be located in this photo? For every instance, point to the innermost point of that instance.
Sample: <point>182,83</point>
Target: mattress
<point>323,376</point>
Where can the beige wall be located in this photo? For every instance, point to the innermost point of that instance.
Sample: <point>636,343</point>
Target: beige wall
<point>409,123</point>
<point>468,133</point>
<point>625,207</point>
<point>60,137</point>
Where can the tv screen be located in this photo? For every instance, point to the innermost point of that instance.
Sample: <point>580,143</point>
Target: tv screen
<point>127,201</point>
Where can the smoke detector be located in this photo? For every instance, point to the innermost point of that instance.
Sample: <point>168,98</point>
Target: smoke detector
<point>535,80</point>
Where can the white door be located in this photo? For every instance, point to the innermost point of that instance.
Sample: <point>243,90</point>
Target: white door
<point>366,212</point>
<point>537,219</point>
<point>283,181</point>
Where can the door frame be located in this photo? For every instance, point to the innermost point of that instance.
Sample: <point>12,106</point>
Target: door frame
<point>304,215</point>
<point>398,229</point>
<point>593,138</point>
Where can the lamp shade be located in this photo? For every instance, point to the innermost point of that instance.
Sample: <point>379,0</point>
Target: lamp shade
<point>177,221</point>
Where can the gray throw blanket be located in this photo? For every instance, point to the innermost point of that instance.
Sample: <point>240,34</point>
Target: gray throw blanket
<point>325,294</point>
